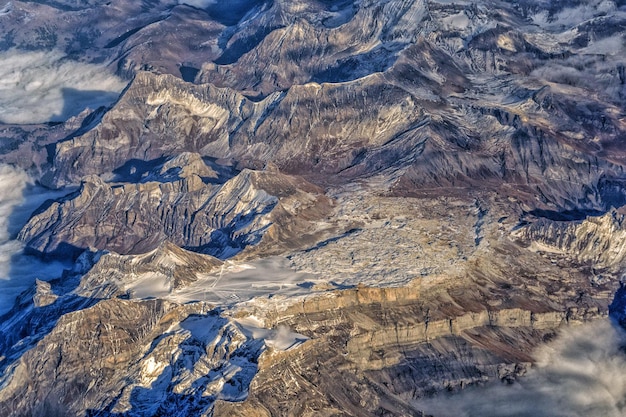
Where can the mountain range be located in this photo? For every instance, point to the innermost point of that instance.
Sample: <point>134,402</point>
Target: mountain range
<point>304,207</point>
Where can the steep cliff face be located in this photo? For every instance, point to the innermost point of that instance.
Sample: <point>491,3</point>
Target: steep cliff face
<point>115,334</point>
<point>107,321</point>
<point>596,241</point>
<point>397,345</point>
<point>181,200</point>
<point>334,350</point>
<point>153,107</point>
<point>171,351</point>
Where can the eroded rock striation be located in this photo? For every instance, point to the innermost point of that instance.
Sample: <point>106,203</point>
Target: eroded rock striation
<point>336,348</point>
<point>182,201</point>
<point>314,208</point>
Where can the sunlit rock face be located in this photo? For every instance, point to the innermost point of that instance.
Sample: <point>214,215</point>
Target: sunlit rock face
<point>181,200</point>
<point>309,207</point>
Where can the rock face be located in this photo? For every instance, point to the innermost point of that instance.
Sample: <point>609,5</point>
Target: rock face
<point>361,350</point>
<point>434,95</point>
<point>43,296</point>
<point>183,201</point>
<point>597,241</point>
<point>416,142</point>
<point>94,307</point>
<point>382,201</point>
<point>223,123</point>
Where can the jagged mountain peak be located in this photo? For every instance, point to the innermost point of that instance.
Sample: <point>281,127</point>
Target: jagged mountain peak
<point>192,206</point>
<point>306,207</point>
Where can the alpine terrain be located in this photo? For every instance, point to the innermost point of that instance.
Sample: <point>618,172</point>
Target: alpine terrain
<point>312,208</point>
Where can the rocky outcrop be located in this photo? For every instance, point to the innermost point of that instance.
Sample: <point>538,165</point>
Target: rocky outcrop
<point>297,42</point>
<point>223,123</point>
<point>369,350</point>
<point>117,340</point>
<point>89,320</point>
<point>167,266</point>
<point>43,294</point>
<point>598,241</point>
<point>393,350</point>
<point>106,342</point>
<point>429,95</point>
<point>152,108</point>
<point>183,201</point>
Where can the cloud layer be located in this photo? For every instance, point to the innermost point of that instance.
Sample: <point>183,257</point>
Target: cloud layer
<point>18,199</point>
<point>582,373</point>
<point>38,87</point>
<point>568,17</point>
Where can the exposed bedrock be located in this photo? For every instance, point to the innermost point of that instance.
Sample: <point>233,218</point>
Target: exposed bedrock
<point>184,201</point>
<point>371,350</point>
<point>392,352</point>
<point>386,199</point>
<point>598,241</point>
<point>334,133</point>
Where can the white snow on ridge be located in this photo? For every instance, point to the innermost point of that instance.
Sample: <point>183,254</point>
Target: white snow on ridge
<point>149,285</point>
<point>280,339</point>
<point>236,283</point>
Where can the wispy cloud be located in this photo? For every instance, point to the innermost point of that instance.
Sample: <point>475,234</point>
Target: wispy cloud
<point>13,181</point>
<point>18,199</point>
<point>37,87</point>
<point>569,17</point>
<point>582,373</point>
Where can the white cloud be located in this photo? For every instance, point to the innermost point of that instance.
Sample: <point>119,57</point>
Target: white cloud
<point>612,45</point>
<point>581,373</point>
<point>18,199</point>
<point>569,17</point>
<point>13,181</point>
<point>38,87</point>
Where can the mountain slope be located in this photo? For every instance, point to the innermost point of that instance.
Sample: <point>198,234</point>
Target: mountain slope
<point>310,207</point>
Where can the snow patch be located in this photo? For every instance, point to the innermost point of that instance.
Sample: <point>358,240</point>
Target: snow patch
<point>612,45</point>
<point>458,21</point>
<point>234,283</point>
<point>281,338</point>
<point>149,285</point>
<point>151,370</point>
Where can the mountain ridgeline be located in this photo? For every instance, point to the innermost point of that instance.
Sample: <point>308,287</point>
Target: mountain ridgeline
<point>306,207</point>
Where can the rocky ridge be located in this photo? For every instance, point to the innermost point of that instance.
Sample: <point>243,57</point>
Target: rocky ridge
<point>594,241</point>
<point>183,201</point>
<point>436,188</point>
<point>475,321</point>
